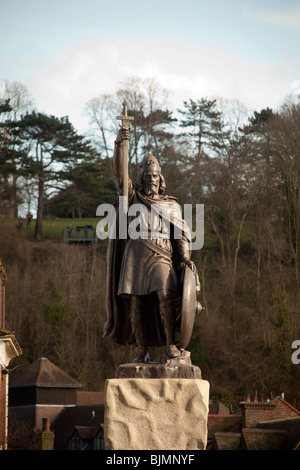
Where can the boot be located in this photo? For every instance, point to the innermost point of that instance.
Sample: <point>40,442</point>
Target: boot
<point>167,313</point>
<point>143,356</point>
<point>137,329</point>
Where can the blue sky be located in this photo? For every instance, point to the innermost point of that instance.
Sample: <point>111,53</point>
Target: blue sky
<point>69,51</point>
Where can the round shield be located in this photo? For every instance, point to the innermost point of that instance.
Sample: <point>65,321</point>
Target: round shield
<point>189,306</point>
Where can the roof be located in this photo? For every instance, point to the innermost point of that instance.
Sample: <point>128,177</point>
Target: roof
<point>263,439</point>
<point>270,404</point>
<point>227,441</point>
<point>87,432</point>
<point>251,439</point>
<point>223,423</point>
<point>288,405</point>
<point>89,398</point>
<point>290,425</point>
<point>76,418</point>
<point>218,408</point>
<point>43,373</point>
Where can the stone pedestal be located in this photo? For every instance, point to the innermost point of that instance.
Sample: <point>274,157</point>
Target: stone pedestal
<point>178,367</point>
<point>155,413</point>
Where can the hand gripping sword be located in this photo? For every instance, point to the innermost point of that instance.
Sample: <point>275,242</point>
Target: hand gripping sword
<point>124,149</point>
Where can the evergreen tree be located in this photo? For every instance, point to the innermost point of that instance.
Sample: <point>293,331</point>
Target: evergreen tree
<point>203,137</point>
<point>90,185</point>
<point>10,159</point>
<point>51,145</point>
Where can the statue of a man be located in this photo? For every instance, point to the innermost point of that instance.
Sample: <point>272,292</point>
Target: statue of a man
<point>143,297</point>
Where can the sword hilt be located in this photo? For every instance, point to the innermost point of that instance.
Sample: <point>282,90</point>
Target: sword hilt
<point>125,118</point>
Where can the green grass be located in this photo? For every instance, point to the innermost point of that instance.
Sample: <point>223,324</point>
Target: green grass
<point>53,228</point>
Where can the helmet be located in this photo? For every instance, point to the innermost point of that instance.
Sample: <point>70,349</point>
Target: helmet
<point>150,163</point>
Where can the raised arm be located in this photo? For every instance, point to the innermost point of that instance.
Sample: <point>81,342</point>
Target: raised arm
<point>123,134</point>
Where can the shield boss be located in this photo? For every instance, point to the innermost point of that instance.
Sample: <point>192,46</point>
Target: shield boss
<point>189,307</point>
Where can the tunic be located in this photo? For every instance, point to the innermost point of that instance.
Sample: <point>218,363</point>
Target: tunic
<point>147,262</point>
<point>145,270</point>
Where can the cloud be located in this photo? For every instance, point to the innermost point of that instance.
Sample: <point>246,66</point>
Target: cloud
<point>187,70</point>
<point>289,17</point>
<point>296,87</point>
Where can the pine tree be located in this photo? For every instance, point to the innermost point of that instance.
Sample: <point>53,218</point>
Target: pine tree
<point>49,145</point>
<point>203,138</point>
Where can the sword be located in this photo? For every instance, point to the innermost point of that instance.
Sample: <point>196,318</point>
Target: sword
<point>124,149</point>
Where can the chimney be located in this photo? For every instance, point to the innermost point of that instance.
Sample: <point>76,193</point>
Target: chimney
<point>47,437</point>
<point>46,424</point>
<point>256,411</point>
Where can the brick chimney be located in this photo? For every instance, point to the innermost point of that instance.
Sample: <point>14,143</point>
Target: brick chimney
<point>255,411</point>
<point>47,436</point>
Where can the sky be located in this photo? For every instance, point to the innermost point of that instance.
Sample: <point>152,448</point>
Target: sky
<point>69,51</point>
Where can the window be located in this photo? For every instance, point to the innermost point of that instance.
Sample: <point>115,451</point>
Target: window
<point>75,443</point>
<point>99,442</point>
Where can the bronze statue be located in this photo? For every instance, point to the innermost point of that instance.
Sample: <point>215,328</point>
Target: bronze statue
<point>144,290</point>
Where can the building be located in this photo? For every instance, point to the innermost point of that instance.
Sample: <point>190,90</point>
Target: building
<point>44,399</point>
<point>49,402</point>
<point>9,349</point>
<point>262,425</point>
<point>221,420</point>
<point>80,428</point>
<point>40,391</point>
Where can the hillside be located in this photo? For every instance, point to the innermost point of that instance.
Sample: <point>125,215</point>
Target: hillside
<point>55,304</point>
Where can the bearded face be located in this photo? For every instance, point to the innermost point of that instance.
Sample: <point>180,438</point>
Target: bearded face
<point>151,180</point>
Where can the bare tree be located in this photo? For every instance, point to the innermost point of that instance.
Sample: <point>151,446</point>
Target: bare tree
<point>285,137</point>
<point>20,102</point>
<point>101,112</point>
<point>20,99</point>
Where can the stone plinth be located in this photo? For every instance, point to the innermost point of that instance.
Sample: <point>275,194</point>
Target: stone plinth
<point>156,414</point>
<point>177,367</point>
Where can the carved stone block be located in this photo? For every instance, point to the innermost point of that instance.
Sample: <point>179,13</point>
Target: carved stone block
<point>156,414</point>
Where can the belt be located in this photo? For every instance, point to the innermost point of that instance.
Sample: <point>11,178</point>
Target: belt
<point>155,248</point>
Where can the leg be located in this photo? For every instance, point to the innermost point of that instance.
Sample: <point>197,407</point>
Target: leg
<point>137,328</point>
<point>167,312</point>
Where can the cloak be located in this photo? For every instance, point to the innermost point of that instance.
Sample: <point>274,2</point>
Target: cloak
<point>117,326</point>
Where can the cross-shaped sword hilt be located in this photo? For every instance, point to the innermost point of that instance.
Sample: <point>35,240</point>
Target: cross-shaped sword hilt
<point>125,118</point>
